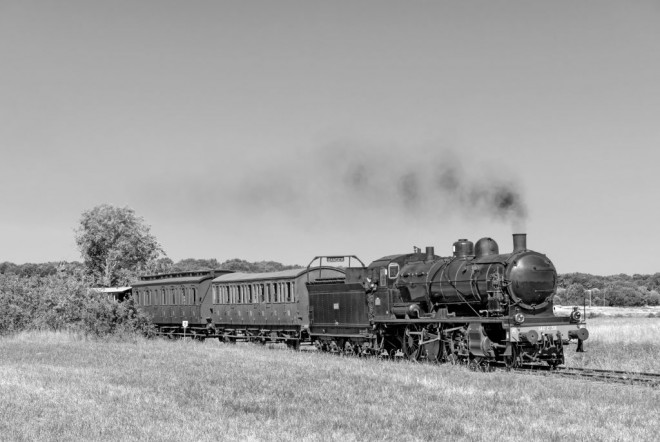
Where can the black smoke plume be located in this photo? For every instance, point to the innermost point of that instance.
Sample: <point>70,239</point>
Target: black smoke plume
<point>385,182</point>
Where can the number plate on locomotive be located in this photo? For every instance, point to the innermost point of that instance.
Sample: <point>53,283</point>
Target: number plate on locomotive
<point>546,327</point>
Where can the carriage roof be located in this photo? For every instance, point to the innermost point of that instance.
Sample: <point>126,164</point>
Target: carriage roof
<point>283,274</point>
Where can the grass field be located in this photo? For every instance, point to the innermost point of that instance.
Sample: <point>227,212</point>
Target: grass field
<point>63,387</point>
<point>621,338</point>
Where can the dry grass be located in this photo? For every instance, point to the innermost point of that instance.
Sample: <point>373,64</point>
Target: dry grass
<point>60,387</point>
<point>620,343</point>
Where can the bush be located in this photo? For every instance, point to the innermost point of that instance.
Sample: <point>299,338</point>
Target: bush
<point>64,302</point>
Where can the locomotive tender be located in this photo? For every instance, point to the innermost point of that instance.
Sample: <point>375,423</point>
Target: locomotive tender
<point>477,306</point>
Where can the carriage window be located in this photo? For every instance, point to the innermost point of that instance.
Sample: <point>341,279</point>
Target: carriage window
<point>276,292</point>
<point>193,296</point>
<point>183,296</point>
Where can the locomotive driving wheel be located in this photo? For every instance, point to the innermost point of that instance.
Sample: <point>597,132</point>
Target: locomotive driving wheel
<point>432,347</point>
<point>513,361</point>
<point>411,343</point>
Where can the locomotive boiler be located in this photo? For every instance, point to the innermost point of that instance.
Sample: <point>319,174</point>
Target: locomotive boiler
<point>479,280</point>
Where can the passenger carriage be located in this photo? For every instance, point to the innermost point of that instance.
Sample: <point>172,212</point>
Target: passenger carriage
<point>266,307</point>
<point>172,298</point>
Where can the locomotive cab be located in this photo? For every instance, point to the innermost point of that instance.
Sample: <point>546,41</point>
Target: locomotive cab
<point>401,284</point>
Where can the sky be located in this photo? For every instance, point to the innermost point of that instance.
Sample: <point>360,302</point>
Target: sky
<point>284,130</point>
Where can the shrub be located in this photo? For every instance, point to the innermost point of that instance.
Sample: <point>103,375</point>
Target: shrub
<point>64,302</point>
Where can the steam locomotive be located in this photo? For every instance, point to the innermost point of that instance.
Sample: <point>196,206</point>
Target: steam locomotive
<point>477,306</point>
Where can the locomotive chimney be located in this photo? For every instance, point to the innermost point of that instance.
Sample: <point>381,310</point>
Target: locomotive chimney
<point>430,252</point>
<point>519,242</point>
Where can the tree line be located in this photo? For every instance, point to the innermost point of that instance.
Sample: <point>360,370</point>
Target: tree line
<point>116,246</point>
<point>162,265</point>
<point>615,290</point>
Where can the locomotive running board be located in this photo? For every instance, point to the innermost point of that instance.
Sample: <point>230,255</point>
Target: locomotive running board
<point>442,320</point>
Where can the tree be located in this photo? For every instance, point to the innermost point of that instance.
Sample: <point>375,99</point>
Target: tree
<point>575,294</point>
<point>115,244</point>
<point>240,265</point>
<point>196,264</point>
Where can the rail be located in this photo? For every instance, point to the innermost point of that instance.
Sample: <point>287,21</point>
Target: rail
<point>593,374</point>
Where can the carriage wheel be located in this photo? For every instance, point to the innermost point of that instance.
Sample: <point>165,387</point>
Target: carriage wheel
<point>293,344</point>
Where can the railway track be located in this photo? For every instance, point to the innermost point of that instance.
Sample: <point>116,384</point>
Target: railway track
<point>609,376</point>
<point>617,376</point>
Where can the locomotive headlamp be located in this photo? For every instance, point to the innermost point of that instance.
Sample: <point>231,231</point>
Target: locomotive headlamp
<point>576,315</point>
<point>519,318</point>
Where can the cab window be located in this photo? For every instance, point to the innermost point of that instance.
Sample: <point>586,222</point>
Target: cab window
<point>393,270</point>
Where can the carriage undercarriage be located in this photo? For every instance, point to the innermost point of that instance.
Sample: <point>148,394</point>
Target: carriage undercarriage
<point>291,336</point>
